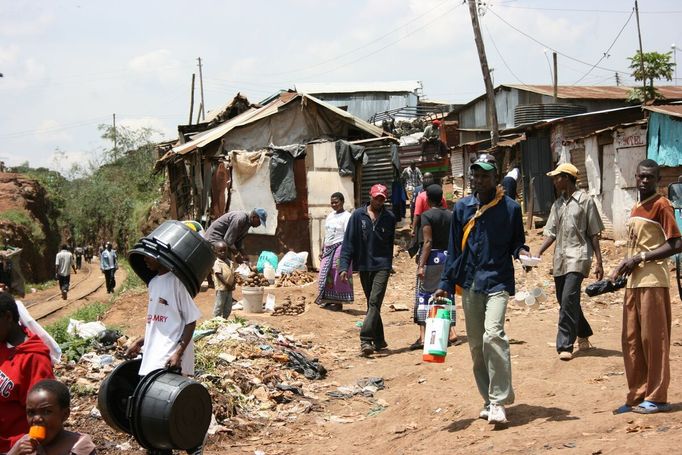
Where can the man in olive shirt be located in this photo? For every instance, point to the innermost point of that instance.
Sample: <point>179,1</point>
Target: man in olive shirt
<point>574,223</point>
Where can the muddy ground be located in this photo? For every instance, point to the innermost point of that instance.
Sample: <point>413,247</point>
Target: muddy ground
<point>561,407</point>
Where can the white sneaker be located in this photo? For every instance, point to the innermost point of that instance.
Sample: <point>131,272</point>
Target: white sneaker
<point>484,412</point>
<point>497,414</point>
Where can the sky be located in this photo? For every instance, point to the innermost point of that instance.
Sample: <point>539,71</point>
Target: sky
<point>69,65</point>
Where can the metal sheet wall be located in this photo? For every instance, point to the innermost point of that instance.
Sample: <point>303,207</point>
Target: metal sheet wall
<point>578,160</point>
<point>379,169</point>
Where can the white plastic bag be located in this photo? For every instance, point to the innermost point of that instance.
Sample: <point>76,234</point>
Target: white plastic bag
<point>85,329</point>
<point>291,262</point>
<point>243,270</point>
<point>27,321</point>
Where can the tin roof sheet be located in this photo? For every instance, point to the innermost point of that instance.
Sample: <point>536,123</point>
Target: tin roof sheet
<point>614,92</point>
<point>352,87</point>
<point>674,110</point>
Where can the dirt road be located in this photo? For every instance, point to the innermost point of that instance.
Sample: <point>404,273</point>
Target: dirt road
<point>561,407</point>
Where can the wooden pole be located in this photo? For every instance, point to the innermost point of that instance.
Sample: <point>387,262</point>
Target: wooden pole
<point>556,79</point>
<point>201,89</point>
<point>489,90</point>
<point>115,146</point>
<point>641,53</point>
<point>191,100</point>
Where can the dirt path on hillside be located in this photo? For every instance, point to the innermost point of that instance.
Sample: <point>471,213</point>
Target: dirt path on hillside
<point>87,286</point>
<point>428,408</point>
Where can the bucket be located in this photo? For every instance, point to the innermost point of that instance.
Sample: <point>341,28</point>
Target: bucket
<point>253,299</point>
<point>163,410</point>
<point>178,248</point>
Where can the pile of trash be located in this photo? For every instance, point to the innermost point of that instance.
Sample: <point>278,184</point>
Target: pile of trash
<point>255,374</point>
<point>290,308</point>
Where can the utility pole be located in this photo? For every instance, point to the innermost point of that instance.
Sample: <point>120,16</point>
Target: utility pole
<point>641,54</point>
<point>617,79</point>
<point>201,89</point>
<point>556,79</point>
<point>191,100</point>
<point>115,147</point>
<point>489,90</point>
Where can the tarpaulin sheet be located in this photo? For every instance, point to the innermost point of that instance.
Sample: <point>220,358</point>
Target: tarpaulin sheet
<point>251,188</point>
<point>282,182</point>
<point>346,156</point>
<point>665,140</point>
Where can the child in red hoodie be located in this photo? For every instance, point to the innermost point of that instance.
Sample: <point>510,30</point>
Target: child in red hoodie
<point>24,360</point>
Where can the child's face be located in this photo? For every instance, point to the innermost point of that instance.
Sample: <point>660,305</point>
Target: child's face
<point>43,409</point>
<point>221,251</point>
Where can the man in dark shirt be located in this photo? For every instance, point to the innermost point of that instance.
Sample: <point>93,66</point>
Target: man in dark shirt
<point>232,228</point>
<point>485,233</point>
<point>368,244</point>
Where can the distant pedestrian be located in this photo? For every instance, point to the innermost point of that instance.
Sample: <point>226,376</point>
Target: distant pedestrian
<point>653,236</point>
<point>486,232</point>
<point>232,228</point>
<point>79,256</point>
<point>333,292</point>
<point>64,263</point>
<point>223,279</point>
<point>574,223</point>
<point>510,181</point>
<point>108,264</point>
<point>412,178</point>
<point>434,235</point>
<point>368,245</point>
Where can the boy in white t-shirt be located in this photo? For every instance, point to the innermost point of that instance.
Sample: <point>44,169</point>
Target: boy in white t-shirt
<point>171,319</point>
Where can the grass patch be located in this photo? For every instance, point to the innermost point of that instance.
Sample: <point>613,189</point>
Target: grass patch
<point>132,281</point>
<point>22,217</point>
<point>40,286</point>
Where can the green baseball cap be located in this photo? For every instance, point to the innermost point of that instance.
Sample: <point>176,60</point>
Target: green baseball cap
<point>486,162</point>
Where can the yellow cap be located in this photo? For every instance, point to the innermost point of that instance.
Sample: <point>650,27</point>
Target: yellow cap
<point>565,168</point>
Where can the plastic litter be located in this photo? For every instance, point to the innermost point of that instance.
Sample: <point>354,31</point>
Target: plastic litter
<point>604,286</point>
<point>311,369</point>
<point>85,329</point>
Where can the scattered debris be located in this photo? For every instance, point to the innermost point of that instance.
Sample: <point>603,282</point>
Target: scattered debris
<point>398,307</point>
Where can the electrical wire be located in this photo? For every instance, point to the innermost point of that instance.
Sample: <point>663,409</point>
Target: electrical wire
<point>550,47</point>
<point>492,40</point>
<point>53,129</point>
<point>605,54</point>
<point>376,40</point>
<point>570,10</point>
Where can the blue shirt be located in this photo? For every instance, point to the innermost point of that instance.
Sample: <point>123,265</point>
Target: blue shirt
<point>486,265</point>
<point>369,245</point>
<point>108,260</point>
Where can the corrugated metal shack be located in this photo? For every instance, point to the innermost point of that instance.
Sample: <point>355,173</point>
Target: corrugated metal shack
<point>527,104</point>
<point>365,99</point>
<point>665,142</point>
<point>205,183</point>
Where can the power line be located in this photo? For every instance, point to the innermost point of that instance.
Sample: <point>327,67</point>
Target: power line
<point>550,47</point>
<point>572,10</point>
<point>492,40</point>
<point>53,129</point>
<point>340,56</point>
<point>387,45</point>
<point>605,54</point>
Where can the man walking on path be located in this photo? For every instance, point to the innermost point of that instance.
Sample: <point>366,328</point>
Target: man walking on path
<point>486,232</point>
<point>574,223</point>
<point>368,244</point>
<point>232,228</point>
<point>108,264</point>
<point>653,236</point>
<point>64,263</point>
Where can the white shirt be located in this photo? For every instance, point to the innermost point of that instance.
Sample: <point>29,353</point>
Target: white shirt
<point>63,262</point>
<point>170,309</point>
<point>335,227</point>
<point>514,173</point>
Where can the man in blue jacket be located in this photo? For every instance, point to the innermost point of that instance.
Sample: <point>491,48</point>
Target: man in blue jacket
<point>485,234</point>
<point>368,244</point>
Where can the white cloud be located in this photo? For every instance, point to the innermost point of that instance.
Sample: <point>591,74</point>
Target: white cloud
<point>50,130</point>
<point>20,28</point>
<point>159,64</point>
<point>163,131</point>
<point>8,54</point>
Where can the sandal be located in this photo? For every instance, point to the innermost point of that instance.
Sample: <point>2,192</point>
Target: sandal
<point>417,345</point>
<point>623,409</point>
<point>650,407</point>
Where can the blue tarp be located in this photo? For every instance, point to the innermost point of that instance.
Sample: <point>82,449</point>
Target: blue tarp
<point>665,140</point>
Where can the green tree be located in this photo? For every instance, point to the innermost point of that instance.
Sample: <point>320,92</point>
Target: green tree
<point>647,68</point>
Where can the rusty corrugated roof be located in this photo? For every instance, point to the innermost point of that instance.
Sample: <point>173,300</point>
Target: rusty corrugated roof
<point>674,110</point>
<point>595,92</point>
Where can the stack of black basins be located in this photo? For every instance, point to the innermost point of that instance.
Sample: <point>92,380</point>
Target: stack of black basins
<point>178,248</point>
